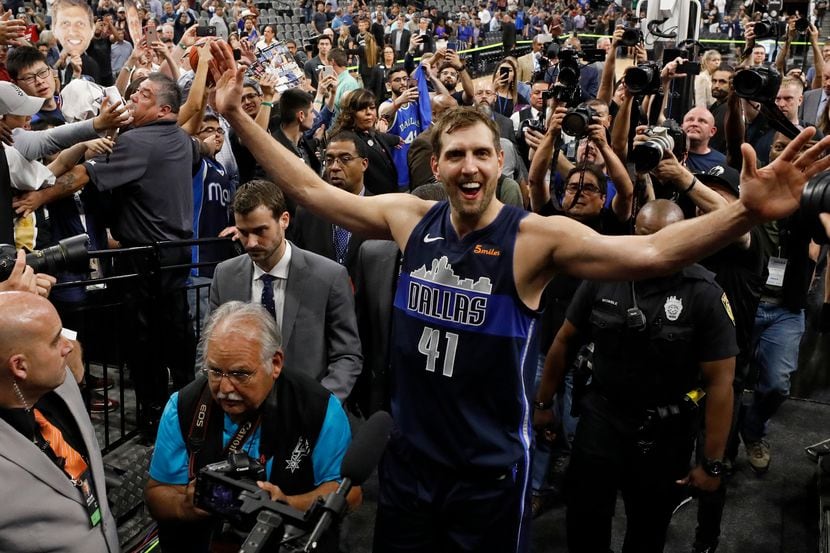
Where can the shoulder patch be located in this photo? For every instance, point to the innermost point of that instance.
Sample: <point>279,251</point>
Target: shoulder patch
<point>727,307</point>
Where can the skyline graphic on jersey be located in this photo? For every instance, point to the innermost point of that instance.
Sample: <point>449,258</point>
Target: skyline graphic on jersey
<point>442,273</point>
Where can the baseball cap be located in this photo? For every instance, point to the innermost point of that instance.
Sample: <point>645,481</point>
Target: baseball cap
<point>122,9</point>
<point>14,101</point>
<point>722,175</point>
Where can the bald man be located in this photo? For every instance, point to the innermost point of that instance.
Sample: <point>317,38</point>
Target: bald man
<point>50,462</point>
<point>699,125</point>
<point>652,339</point>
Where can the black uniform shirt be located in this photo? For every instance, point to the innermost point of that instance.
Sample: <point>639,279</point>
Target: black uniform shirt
<point>688,322</point>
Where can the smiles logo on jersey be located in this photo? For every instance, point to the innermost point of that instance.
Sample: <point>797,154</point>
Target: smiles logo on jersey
<point>440,294</point>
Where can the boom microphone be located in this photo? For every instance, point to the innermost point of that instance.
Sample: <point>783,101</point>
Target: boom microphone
<point>358,463</point>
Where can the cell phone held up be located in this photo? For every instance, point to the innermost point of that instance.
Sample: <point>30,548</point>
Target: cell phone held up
<point>152,34</point>
<point>205,30</point>
<point>326,71</point>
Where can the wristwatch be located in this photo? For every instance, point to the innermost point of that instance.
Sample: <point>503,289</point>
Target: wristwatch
<point>713,467</point>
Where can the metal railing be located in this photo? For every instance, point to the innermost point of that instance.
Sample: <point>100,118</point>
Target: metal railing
<point>102,314</point>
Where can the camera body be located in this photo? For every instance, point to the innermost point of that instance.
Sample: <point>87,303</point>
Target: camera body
<point>220,485</point>
<point>643,79</point>
<point>532,123</point>
<point>576,121</point>
<point>802,24</point>
<point>760,84</point>
<point>766,28</point>
<point>70,254</point>
<point>631,37</point>
<point>814,200</point>
<point>668,138</point>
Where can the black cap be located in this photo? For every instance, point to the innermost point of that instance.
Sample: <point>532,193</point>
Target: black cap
<point>722,175</point>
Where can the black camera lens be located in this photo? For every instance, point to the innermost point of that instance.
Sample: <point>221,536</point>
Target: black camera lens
<point>646,156</point>
<point>748,83</point>
<point>630,37</point>
<point>643,79</point>
<point>801,25</point>
<point>815,199</point>
<point>70,254</point>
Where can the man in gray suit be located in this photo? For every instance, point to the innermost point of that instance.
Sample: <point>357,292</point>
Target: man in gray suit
<point>815,100</point>
<point>309,295</point>
<point>50,462</point>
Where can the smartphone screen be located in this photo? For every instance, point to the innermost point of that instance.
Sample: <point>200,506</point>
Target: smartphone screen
<point>206,30</point>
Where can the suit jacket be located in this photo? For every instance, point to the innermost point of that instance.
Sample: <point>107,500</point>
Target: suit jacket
<point>314,234</point>
<point>809,107</point>
<point>44,511</point>
<point>375,282</point>
<point>418,158</point>
<point>505,126</point>
<point>525,67</point>
<point>319,330</point>
<point>405,37</point>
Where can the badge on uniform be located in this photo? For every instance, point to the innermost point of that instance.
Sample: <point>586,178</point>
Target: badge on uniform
<point>84,484</point>
<point>728,307</point>
<point>673,308</point>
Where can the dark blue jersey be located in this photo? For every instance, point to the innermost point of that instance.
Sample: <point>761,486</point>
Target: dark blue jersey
<point>464,348</point>
<point>212,193</point>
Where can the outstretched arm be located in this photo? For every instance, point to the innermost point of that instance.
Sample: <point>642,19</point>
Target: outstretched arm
<point>385,216</point>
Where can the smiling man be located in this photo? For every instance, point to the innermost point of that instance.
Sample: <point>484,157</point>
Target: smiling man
<point>73,25</point>
<point>455,473</point>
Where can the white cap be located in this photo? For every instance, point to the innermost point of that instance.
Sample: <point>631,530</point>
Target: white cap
<point>246,13</point>
<point>14,101</point>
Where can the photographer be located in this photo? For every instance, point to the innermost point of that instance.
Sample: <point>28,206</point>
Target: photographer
<point>291,424</point>
<point>592,148</point>
<point>784,53</point>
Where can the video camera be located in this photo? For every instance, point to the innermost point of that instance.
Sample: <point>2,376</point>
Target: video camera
<point>631,37</point>
<point>667,138</point>
<point>766,28</point>
<point>228,490</point>
<point>70,254</point>
<point>761,84</point>
<point>576,121</point>
<point>643,79</point>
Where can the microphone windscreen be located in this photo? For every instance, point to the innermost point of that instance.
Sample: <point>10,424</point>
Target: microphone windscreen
<point>364,453</point>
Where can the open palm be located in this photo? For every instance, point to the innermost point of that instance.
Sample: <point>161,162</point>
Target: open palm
<point>774,191</point>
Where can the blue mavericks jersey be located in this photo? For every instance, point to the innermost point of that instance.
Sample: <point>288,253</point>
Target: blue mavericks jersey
<point>407,125</point>
<point>464,345</point>
<point>212,193</point>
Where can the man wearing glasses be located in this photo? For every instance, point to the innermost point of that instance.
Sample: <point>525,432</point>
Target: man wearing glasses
<point>28,70</point>
<point>256,405</point>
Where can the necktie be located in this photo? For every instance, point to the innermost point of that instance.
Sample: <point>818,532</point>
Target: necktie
<point>73,463</point>
<point>340,238</point>
<point>267,299</point>
<point>822,103</point>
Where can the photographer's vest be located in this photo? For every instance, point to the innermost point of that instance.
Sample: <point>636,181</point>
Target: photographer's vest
<point>292,417</point>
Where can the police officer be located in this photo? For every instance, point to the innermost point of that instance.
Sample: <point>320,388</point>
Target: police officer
<point>652,340</point>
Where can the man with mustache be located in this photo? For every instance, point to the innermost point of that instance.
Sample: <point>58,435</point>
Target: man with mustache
<point>249,404</point>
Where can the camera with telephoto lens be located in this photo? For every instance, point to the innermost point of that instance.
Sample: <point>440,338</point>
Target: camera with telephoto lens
<point>802,24</point>
<point>815,199</point>
<point>569,70</point>
<point>766,28</point>
<point>643,79</point>
<point>70,254</point>
<point>576,121</point>
<point>760,84</point>
<point>667,138</point>
<point>631,37</point>
<point>220,486</point>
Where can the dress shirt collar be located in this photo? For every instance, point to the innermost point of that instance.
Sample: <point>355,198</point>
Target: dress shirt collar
<point>280,270</point>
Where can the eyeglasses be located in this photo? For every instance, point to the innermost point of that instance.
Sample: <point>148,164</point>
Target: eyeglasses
<point>249,97</point>
<point>239,378</point>
<point>42,74</point>
<point>586,189</point>
<point>343,160</point>
<point>212,130</point>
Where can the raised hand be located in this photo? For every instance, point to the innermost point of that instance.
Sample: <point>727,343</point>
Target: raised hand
<point>228,78</point>
<point>774,191</point>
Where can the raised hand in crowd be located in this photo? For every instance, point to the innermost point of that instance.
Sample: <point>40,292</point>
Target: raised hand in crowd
<point>268,84</point>
<point>112,116</point>
<point>24,279</point>
<point>11,30</point>
<point>326,88</point>
<point>189,37</point>
<point>247,50</point>
<point>77,66</point>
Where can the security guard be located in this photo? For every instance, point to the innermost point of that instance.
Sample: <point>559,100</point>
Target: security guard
<point>653,340</point>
